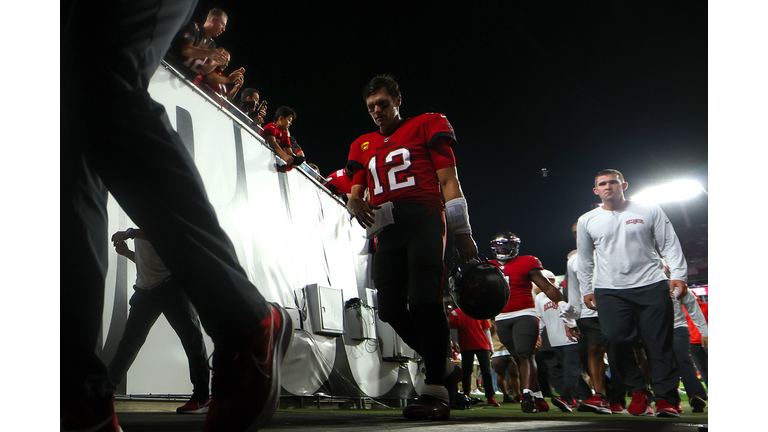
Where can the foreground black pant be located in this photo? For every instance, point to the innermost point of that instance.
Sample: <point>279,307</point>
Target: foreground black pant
<point>115,137</point>
<point>408,273</point>
<point>565,370</point>
<point>146,307</point>
<point>648,311</point>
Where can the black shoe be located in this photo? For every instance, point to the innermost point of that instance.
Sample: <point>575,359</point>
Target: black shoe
<point>427,407</point>
<point>528,405</point>
<point>507,399</point>
<point>697,404</point>
<point>461,402</point>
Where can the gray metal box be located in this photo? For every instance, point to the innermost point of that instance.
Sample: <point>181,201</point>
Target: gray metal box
<point>325,309</point>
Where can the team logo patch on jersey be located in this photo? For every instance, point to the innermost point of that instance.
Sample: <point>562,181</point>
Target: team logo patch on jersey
<point>364,146</point>
<point>635,221</point>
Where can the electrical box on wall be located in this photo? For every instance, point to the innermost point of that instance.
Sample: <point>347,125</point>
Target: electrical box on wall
<point>360,321</point>
<point>326,309</point>
<point>392,346</point>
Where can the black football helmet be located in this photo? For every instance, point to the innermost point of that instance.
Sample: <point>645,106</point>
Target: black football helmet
<point>479,289</point>
<point>506,245</point>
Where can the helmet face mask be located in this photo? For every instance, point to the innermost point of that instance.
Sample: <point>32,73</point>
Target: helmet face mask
<point>506,246</point>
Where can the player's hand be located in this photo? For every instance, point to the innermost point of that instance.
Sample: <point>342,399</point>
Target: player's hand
<point>363,211</point>
<point>464,247</point>
<point>456,348</point>
<point>538,342</point>
<point>705,342</point>
<point>122,248</point>
<point>572,333</point>
<point>119,236</point>
<point>589,301</point>
<point>681,286</point>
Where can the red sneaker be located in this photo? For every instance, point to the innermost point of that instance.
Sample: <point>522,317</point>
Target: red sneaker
<point>245,390</point>
<point>194,407</point>
<point>641,400</point>
<point>541,405</point>
<point>665,409</point>
<point>492,402</point>
<point>679,407</point>
<point>618,408</point>
<point>81,417</point>
<point>561,403</point>
<point>596,404</point>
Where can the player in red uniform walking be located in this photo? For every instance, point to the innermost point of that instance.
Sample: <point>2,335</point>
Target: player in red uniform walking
<point>517,324</point>
<point>409,169</point>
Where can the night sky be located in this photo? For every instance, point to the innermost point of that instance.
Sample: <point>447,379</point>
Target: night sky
<point>573,87</point>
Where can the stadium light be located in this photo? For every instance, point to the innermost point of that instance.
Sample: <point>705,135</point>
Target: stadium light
<point>679,190</point>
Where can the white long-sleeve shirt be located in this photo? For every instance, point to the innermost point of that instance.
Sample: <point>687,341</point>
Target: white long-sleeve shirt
<point>697,316</point>
<point>549,317</point>
<point>575,296</point>
<point>623,248</point>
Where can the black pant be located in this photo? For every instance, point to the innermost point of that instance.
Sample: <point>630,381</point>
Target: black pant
<point>648,311</point>
<point>115,137</point>
<point>468,366</point>
<point>691,382</point>
<point>701,360</point>
<point>408,273</point>
<point>565,371</point>
<point>146,307</point>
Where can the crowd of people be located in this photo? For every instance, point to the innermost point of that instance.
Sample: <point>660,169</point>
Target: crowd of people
<point>618,299</point>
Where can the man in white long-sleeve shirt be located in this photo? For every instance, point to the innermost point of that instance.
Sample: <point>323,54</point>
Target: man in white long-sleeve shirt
<point>621,274</point>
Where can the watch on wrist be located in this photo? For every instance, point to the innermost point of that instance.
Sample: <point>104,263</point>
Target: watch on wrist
<point>129,233</point>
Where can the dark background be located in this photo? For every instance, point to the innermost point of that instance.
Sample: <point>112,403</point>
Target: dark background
<point>573,87</point>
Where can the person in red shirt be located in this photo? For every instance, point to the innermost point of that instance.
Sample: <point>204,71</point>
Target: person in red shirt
<point>278,136</point>
<point>340,183</point>
<point>472,338</point>
<point>409,170</point>
<point>518,324</point>
<point>699,345</point>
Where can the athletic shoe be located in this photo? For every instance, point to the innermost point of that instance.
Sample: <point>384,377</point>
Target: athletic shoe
<point>461,402</point>
<point>82,417</point>
<point>665,409</point>
<point>246,375</point>
<point>194,407</point>
<point>508,399</point>
<point>679,407</point>
<point>640,403</point>
<point>697,404</point>
<point>572,404</point>
<point>542,405</point>
<point>560,403</point>
<point>649,411</point>
<point>492,402</point>
<point>596,404</point>
<point>527,404</point>
<point>618,408</point>
<point>427,407</point>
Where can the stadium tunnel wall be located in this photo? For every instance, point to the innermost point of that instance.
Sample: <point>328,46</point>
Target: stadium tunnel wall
<point>290,233</point>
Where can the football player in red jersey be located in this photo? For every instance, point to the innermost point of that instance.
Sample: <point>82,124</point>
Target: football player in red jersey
<point>518,324</point>
<point>409,169</point>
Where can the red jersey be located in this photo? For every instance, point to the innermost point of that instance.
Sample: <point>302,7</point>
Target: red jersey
<point>282,137</point>
<point>338,183</point>
<point>695,335</point>
<point>219,89</point>
<point>520,285</point>
<point>403,167</point>
<point>472,336</point>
